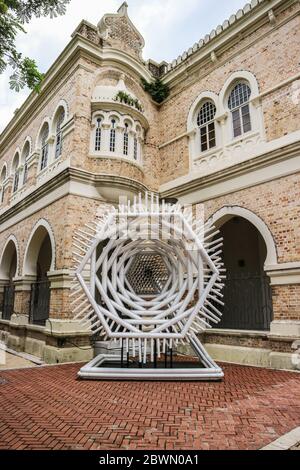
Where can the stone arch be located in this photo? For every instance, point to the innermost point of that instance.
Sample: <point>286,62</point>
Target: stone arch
<point>16,161</point>
<point>4,173</point>
<point>243,75</point>
<point>27,145</point>
<point>206,95</point>
<point>62,104</point>
<point>10,250</point>
<point>227,212</point>
<point>38,136</point>
<point>248,247</point>
<point>40,231</point>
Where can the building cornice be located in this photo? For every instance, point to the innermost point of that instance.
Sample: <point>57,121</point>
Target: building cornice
<point>66,177</point>
<point>259,162</point>
<point>102,185</point>
<point>224,37</point>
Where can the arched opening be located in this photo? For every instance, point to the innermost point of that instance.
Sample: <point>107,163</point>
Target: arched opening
<point>2,179</point>
<point>44,145</point>
<point>8,270</point>
<point>24,161</point>
<point>38,262</point>
<point>58,124</point>
<point>16,172</point>
<point>247,292</point>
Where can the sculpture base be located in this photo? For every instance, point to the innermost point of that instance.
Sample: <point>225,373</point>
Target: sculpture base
<point>110,367</point>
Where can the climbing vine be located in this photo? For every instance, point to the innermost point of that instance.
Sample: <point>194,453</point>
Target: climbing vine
<point>158,90</point>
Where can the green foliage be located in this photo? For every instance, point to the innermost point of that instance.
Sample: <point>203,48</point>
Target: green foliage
<point>124,97</point>
<point>13,14</point>
<point>158,90</point>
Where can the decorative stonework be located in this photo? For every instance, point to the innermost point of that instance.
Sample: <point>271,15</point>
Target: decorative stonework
<point>233,153</point>
<point>88,31</point>
<point>117,31</point>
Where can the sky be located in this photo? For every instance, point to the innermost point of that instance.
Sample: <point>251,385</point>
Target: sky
<point>169,27</point>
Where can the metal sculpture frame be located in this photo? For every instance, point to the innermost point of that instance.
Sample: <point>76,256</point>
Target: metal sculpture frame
<point>150,276</point>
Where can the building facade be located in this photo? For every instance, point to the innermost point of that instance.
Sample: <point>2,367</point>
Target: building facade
<point>226,139</point>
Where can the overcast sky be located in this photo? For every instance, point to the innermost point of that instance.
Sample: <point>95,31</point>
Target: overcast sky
<point>168,26</point>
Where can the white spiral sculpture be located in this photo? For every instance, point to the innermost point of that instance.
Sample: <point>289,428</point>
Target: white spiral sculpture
<point>149,276</point>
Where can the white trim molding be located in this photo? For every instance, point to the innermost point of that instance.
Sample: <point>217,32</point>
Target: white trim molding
<point>11,238</point>
<point>227,212</point>
<point>284,273</point>
<point>228,150</point>
<point>101,146</point>
<point>29,265</point>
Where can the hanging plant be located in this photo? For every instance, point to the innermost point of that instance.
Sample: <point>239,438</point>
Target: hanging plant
<point>125,98</point>
<point>158,90</point>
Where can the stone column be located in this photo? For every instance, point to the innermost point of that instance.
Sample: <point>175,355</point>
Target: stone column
<point>66,339</point>
<point>105,142</point>
<point>3,283</point>
<point>119,140</point>
<point>7,187</point>
<point>285,283</point>
<point>22,300</point>
<point>32,162</point>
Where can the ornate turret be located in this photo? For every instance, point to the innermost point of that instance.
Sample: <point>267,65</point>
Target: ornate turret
<point>117,31</point>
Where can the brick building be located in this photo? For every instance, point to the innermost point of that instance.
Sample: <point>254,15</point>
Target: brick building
<point>228,137</point>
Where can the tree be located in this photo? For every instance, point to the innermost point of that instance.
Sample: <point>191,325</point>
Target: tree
<point>13,15</point>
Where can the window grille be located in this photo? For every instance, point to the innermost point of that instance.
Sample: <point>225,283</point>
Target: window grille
<point>58,140</point>
<point>98,135</point>
<point>112,145</point>
<point>45,147</point>
<point>238,104</point>
<point>206,124</point>
<point>126,140</point>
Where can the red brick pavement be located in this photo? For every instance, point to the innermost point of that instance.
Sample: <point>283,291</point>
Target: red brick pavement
<point>49,408</point>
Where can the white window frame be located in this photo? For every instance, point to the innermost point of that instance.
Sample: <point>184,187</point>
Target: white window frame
<point>125,129</point>
<point>237,110</point>
<point>58,136</point>
<point>205,126</point>
<point>44,150</point>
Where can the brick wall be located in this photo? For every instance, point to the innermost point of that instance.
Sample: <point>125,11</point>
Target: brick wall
<point>271,54</point>
<point>277,204</point>
<point>286,302</point>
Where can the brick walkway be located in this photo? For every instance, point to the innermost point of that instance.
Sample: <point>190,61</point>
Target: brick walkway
<point>48,408</point>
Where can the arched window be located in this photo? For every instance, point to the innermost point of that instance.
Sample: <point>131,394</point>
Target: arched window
<point>135,148</point>
<point>126,140</point>
<point>206,124</point>
<point>16,172</point>
<point>238,104</point>
<point>25,156</point>
<point>112,143</point>
<point>2,179</point>
<point>58,137</point>
<point>98,134</point>
<point>16,181</point>
<point>44,146</point>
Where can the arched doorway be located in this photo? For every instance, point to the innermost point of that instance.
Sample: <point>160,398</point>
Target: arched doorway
<point>247,292</point>
<point>8,270</point>
<point>38,262</point>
